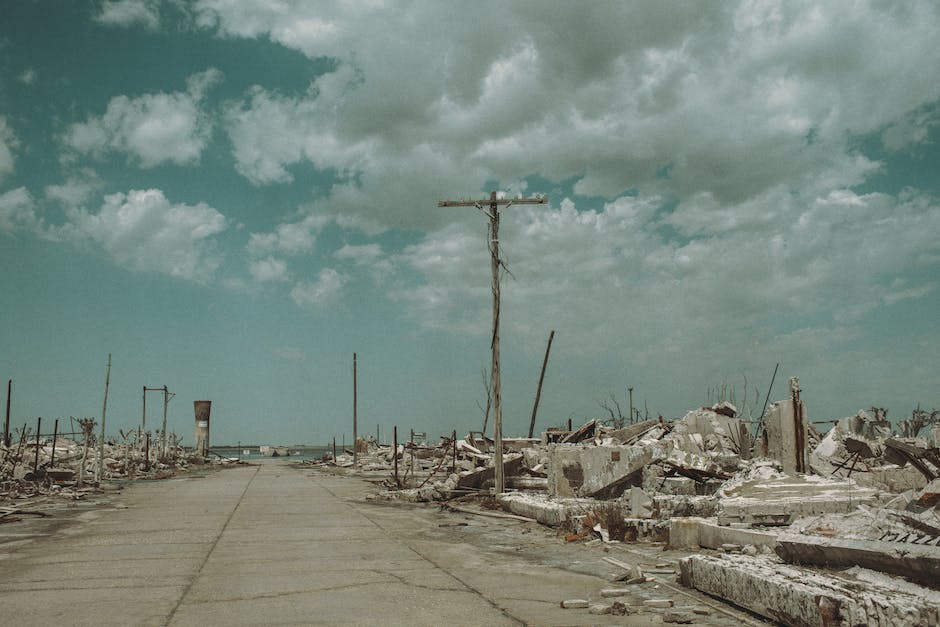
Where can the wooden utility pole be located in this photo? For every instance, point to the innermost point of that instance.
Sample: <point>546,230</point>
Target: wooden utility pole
<point>6,422</point>
<point>490,208</point>
<point>538,391</point>
<point>99,476</point>
<point>355,393</point>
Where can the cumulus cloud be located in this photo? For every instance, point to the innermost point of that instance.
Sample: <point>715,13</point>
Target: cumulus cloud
<point>288,238</point>
<point>728,101</point>
<point>269,269</point>
<point>323,292</point>
<point>125,13</point>
<point>151,129</point>
<point>17,211</point>
<point>614,278</point>
<point>144,231</point>
<point>8,143</point>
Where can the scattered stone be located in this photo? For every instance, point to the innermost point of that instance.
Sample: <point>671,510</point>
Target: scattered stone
<point>658,603</point>
<point>682,618</point>
<point>574,603</point>
<point>614,592</point>
<point>599,608</point>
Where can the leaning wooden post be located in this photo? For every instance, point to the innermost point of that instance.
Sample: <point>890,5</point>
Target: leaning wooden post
<point>538,391</point>
<point>6,422</point>
<point>55,433</point>
<point>99,471</point>
<point>36,462</point>
<point>454,442</point>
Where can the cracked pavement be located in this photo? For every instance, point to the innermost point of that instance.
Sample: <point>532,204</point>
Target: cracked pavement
<point>276,543</point>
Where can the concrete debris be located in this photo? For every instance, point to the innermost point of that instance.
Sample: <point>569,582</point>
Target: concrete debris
<point>63,467</point>
<point>802,597</point>
<point>715,481</point>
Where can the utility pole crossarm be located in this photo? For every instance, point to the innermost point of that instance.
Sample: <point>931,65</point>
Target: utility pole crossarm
<point>541,200</point>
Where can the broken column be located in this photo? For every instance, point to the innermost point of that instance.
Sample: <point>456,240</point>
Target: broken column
<point>202,409</point>
<point>785,431</point>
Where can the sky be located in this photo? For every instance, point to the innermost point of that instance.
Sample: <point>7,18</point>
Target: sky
<point>234,197</point>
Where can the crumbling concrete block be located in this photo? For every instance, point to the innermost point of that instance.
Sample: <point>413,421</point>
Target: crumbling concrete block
<point>780,500</point>
<point>803,598</point>
<point>575,470</point>
<point>917,562</point>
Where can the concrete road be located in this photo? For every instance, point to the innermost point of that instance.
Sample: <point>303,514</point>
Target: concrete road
<point>276,544</point>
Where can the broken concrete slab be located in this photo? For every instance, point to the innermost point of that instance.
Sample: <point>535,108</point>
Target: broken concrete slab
<point>917,562</point>
<point>575,470</point>
<point>803,598</point>
<point>780,500</point>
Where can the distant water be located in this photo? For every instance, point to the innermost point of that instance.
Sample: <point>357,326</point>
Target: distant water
<point>295,452</point>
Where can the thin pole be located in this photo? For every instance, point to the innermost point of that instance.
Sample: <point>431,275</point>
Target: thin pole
<point>104,410</point>
<point>334,450</point>
<point>36,462</point>
<point>355,401</point>
<point>454,440</point>
<point>538,392</point>
<point>55,433</point>
<point>760,424</point>
<point>6,423</point>
<point>166,400</point>
<point>630,392</point>
<point>395,453</point>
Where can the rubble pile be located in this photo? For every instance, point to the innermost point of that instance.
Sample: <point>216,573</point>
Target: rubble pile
<point>766,510</point>
<point>64,466</point>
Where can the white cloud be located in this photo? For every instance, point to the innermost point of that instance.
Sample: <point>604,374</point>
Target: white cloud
<point>612,281</point>
<point>17,211</point>
<point>28,77</point>
<point>288,238</point>
<point>269,269</point>
<point>371,257</point>
<point>144,231</point>
<point>731,101</point>
<point>125,13</point>
<point>8,143</point>
<point>151,129</point>
<point>323,292</point>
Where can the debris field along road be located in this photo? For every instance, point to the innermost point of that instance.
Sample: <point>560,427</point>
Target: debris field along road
<point>275,544</point>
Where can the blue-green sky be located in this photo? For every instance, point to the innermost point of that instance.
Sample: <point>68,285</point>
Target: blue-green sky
<point>232,197</point>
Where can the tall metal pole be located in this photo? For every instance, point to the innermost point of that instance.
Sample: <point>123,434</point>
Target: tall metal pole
<point>143,417</point>
<point>538,391</point>
<point>495,263</point>
<point>355,450</point>
<point>99,474</point>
